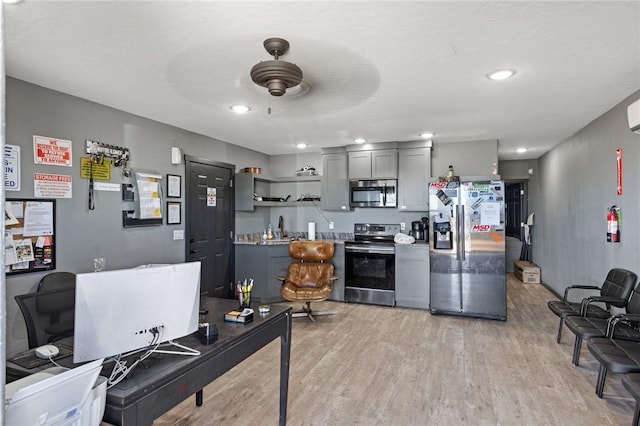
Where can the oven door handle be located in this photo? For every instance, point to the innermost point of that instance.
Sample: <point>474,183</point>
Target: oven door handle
<point>380,250</point>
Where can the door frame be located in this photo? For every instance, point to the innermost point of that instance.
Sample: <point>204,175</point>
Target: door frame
<point>188,159</point>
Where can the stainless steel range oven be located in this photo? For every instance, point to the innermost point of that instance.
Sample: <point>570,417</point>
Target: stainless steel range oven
<point>370,263</point>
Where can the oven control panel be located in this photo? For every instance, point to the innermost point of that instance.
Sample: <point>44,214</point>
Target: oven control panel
<point>373,229</point>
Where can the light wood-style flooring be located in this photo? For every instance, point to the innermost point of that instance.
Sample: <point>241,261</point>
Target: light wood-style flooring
<point>372,365</point>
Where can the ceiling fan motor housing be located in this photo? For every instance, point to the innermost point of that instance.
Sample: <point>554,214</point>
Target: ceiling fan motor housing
<point>276,75</point>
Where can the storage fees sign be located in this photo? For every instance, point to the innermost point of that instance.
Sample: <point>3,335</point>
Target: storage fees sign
<point>50,151</point>
<point>51,186</point>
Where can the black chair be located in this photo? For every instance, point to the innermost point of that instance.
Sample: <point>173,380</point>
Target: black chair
<point>587,327</point>
<point>631,382</point>
<point>57,280</point>
<point>615,291</point>
<point>49,312</point>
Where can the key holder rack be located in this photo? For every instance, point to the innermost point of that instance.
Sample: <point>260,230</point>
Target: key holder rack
<point>98,150</point>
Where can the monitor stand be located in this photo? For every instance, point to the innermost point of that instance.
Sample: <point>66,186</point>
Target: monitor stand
<point>185,349</point>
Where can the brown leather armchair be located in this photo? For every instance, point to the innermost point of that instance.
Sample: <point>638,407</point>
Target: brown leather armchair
<point>310,278</point>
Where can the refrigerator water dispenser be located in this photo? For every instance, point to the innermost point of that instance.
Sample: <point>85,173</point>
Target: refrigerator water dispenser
<point>442,233</point>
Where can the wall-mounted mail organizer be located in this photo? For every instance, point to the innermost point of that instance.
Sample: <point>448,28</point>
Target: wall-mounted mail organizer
<point>29,228</point>
<point>148,202</point>
<point>98,150</point>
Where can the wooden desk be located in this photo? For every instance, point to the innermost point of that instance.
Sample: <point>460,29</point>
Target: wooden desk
<point>147,393</point>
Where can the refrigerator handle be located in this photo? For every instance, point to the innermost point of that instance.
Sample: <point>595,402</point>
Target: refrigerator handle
<point>457,231</point>
<point>461,236</point>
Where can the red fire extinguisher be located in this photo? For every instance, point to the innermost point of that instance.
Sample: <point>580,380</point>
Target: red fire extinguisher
<point>613,225</point>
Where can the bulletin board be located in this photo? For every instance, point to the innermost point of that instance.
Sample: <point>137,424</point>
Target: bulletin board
<point>29,235</point>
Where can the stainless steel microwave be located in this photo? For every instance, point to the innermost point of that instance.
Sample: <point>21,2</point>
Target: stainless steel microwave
<point>372,193</point>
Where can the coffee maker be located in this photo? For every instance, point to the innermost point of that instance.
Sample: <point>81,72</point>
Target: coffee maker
<point>418,230</point>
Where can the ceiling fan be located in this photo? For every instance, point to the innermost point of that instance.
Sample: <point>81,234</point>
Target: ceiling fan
<point>276,75</point>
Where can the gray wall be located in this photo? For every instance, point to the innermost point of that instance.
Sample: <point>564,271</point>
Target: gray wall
<point>516,170</point>
<point>570,193</point>
<point>470,158</point>
<point>81,234</point>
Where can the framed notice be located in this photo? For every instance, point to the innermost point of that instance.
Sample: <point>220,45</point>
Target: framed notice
<point>174,186</point>
<point>29,235</point>
<point>174,212</point>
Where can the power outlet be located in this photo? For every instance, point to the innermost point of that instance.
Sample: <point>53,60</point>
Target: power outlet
<point>331,225</point>
<point>403,226</point>
<point>98,264</point>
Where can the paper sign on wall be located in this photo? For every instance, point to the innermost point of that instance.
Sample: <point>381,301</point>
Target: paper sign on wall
<point>46,185</point>
<point>211,197</point>
<point>490,213</point>
<point>51,151</point>
<point>11,168</point>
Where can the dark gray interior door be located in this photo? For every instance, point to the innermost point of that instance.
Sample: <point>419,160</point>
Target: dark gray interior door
<point>513,205</point>
<point>210,223</point>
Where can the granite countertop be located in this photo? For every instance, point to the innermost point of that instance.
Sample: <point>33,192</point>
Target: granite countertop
<point>274,242</point>
<point>255,239</point>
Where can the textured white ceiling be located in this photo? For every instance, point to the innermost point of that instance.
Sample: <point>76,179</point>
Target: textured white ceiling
<point>381,70</point>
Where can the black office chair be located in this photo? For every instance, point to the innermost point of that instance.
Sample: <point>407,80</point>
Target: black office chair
<point>57,280</point>
<point>49,312</point>
<point>615,291</point>
<point>586,328</point>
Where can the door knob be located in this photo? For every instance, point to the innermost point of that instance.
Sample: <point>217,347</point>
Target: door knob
<point>193,251</point>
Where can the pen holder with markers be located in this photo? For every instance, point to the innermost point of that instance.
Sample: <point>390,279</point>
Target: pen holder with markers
<point>243,292</point>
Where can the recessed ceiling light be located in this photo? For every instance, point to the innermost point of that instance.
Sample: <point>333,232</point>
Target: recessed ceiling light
<point>501,74</point>
<point>301,145</point>
<point>521,150</point>
<point>240,109</point>
<point>427,135</point>
<point>359,140</point>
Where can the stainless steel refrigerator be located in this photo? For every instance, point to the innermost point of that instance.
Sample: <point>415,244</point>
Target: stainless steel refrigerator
<point>467,249</point>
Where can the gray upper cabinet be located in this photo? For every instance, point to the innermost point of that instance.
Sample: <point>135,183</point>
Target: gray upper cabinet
<point>374,164</point>
<point>360,164</point>
<point>373,161</point>
<point>384,164</point>
<point>335,184</point>
<point>414,171</point>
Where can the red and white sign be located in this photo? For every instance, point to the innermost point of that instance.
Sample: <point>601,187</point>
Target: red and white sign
<point>481,228</point>
<point>51,152</point>
<point>438,185</point>
<point>619,171</point>
<point>46,185</point>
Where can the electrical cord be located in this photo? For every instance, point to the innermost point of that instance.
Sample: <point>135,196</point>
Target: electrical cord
<point>120,369</point>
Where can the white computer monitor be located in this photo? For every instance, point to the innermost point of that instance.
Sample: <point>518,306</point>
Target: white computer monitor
<point>116,311</point>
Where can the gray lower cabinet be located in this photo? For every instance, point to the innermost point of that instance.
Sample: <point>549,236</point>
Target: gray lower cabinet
<point>412,276</point>
<point>337,293</point>
<point>265,263</point>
